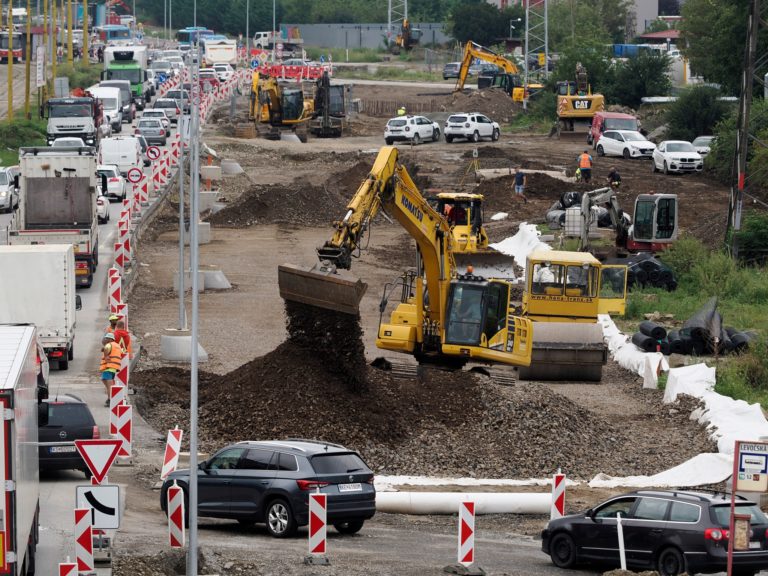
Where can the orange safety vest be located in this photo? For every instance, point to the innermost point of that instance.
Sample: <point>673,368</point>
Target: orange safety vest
<point>584,161</point>
<point>112,361</point>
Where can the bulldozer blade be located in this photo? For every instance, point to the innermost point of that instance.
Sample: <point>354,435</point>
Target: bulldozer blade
<point>319,288</point>
<point>566,351</point>
<point>488,264</point>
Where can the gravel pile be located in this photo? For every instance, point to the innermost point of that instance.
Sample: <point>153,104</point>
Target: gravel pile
<point>493,102</point>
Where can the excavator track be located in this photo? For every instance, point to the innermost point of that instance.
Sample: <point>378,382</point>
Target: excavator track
<point>407,371</point>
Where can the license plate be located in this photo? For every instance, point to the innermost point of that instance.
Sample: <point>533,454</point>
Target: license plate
<point>356,487</point>
<point>61,449</point>
<point>756,545</point>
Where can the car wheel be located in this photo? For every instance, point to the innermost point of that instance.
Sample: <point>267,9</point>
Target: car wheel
<point>416,140</point>
<point>562,550</point>
<point>671,562</point>
<point>600,150</point>
<point>626,154</point>
<point>388,141</point>
<point>475,136</point>
<point>666,168</point>
<point>590,140</point>
<point>280,520</point>
<point>88,473</point>
<point>63,364</point>
<point>448,139</point>
<point>435,135</point>
<point>495,135</point>
<point>71,353</point>
<point>352,527</point>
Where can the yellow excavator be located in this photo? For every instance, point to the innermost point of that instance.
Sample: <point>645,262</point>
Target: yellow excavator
<point>407,38</point>
<point>279,106</point>
<point>576,104</point>
<point>443,316</point>
<point>509,80</point>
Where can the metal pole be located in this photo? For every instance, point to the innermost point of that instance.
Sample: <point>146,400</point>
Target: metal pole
<point>45,44</point>
<point>247,32</point>
<point>182,312</point>
<point>10,62</point>
<point>70,48</point>
<point>29,59</point>
<point>85,56</point>
<point>274,38</point>
<point>54,46</point>
<point>165,19</point>
<point>170,18</point>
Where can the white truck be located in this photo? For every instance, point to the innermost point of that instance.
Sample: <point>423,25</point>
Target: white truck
<point>129,63</point>
<point>19,474</point>
<point>288,37</point>
<point>220,51</point>
<point>58,204</point>
<point>112,105</point>
<point>38,287</point>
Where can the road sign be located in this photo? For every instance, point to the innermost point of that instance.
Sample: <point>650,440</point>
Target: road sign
<point>153,152</point>
<point>263,57</point>
<point>558,497</point>
<point>67,569</point>
<point>104,504</point>
<point>318,506</point>
<point>280,50</point>
<point>98,455</point>
<point>751,462</point>
<point>466,533</point>
<point>83,540</point>
<point>40,70</point>
<point>172,449</point>
<point>135,175</point>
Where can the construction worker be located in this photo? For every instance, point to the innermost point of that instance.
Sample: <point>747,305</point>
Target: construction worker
<point>123,337</point>
<point>112,324</point>
<point>520,181</point>
<point>111,354</point>
<point>614,178</point>
<point>585,166</point>
<point>401,111</point>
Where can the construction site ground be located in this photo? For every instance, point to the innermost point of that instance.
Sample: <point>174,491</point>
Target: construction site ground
<point>257,386</point>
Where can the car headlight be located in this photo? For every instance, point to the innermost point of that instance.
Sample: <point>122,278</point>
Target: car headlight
<point>3,194</point>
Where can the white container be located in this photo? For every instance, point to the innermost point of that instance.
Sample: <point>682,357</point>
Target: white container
<point>573,222</point>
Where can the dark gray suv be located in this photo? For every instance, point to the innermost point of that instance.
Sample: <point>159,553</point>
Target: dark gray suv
<point>270,482</point>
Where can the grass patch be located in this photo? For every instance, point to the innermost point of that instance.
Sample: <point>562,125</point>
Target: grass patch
<point>390,73</point>
<point>340,54</point>
<point>20,132</point>
<point>742,293</point>
<point>80,74</point>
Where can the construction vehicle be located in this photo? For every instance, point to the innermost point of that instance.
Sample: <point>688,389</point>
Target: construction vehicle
<point>407,38</point>
<point>80,117</point>
<point>654,229</point>
<point>329,111</point>
<point>443,316</point>
<point>509,80</point>
<point>564,292</point>
<point>279,106</point>
<point>576,104</point>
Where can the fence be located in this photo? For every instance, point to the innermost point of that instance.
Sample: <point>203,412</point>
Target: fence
<point>388,108</point>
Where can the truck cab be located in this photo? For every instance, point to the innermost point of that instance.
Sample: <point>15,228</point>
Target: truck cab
<point>129,63</point>
<point>77,116</point>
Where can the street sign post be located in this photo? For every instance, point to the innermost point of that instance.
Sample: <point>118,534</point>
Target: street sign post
<point>750,474</point>
<point>104,503</point>
<point>135,174</point>
<point>98,455</point>
<point>153,153</point>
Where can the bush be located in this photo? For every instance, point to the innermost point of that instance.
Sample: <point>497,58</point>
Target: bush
<point>639,77</point>
<point>752,239</point>
<point>80,75</point>
<point>746,377</point>
<point>696,112</point>
<point>683,255</point>
<point>19,133</point>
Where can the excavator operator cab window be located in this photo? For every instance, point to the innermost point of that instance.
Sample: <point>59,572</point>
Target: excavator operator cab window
<point>548,279</point>
<point>665,218</point>
<point>644,215</point>
<point>456,213</point>
<point>497,302</point>
<point>465,313</point>
<point>581,281</point>
<point>566,88</point>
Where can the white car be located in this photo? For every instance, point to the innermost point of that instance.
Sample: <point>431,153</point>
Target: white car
<point>223,71</point>
<point>626,143</point>
<point>68,142</point>
<point>703,144</point>
<point>160,114</point>
<point>115,182</point>
<point>677,156</point>
<point>414,129</point>
<point>9,193</point>
<point>471,125</point>
<point>102,209</point>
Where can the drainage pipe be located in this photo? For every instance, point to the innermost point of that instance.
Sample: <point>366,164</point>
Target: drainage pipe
<point>448,502</point>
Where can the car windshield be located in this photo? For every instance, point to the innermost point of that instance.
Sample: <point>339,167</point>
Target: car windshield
<point>108,172</point>
<point>703,141</point>
<point>722,514</point>
<point>163,66</point>
<point>165,104</point>
<point>457,119</point>
<point>132,75</point>
<point>3,179</point>
<point>69,142</point>
<point>338,463</point>
<point>63,415</point>
<point>398,122</point>
<point>633,137</point>
<point>154,114</point>
<point>153,124</point>
<point>620,124</point>
<point>69,110</point>
<point>109,103</point>
<point>680,147</point>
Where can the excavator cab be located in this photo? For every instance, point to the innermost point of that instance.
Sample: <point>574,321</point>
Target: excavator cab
<point>655,222</point>
<point>464,214</point>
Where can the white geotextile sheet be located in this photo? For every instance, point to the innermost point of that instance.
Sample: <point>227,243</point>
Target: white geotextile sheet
<point>499,216</point>
<point>700,470</point>
<point>389,483</point>
<point>525,241</point>
<point>629,356</point>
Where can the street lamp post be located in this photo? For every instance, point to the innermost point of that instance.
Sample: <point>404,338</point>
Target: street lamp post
<point>273,30</point>
<point>247,32</point>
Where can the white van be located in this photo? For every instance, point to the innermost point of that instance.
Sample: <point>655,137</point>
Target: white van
<point>112,102</point>
<point>129,108</point>
<point>124,151</point>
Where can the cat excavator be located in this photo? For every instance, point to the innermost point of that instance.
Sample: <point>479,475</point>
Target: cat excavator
<point>577,104</point>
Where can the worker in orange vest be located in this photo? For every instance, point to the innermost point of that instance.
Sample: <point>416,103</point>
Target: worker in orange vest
<point>112,324</point>
<point>585,166</point>
<point>111,355</point>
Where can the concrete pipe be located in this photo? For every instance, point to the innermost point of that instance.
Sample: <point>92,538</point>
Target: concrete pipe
<point>448,502</point>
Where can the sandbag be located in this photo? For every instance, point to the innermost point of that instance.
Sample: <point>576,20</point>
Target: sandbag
<point>653,330</point>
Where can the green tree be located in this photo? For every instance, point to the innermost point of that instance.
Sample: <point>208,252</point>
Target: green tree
<point>480,22</point>
<point>594,56</point>
<point>639,77</point>
<point>697,111</point>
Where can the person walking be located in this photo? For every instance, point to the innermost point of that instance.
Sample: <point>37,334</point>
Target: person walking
<point>585,166</point>
<point>111,354</point>
<point>123,337</point>
<point>520,182</point>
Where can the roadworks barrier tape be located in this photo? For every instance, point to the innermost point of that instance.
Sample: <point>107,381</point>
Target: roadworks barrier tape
<point>448,502</point>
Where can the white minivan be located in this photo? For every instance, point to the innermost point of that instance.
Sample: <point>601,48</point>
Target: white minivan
<point>123,151</point>
<point>112,102</point>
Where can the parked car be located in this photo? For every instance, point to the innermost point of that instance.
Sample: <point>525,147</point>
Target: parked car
<point>451,70</point>
<point>152,129</point>
<point>223,71</point>
<point>171,108</point>
<point>472,126</point>
<point>626,143</point>
<point>703,144</point>
<point>63,419</point>
<point>102,209</point>
<point>115,182</point>
<point>677,156</point>
<point>160,114</point>
<point>9,193</point>
<point>270,482</point>
<point>68,142</point>
<point>412,129</point>
<point>672,532</point>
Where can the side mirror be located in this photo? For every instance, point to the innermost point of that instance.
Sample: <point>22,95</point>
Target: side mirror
<point>42,414</point>
<point>591,513</point>
<point>203,465</point>
<point>78,303</point>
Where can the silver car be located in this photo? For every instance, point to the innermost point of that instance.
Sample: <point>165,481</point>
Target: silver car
<point>9,193</point>
<point>152,129</point>
<point>171,108</point>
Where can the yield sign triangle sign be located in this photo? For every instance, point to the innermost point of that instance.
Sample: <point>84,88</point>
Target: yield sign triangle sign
<point>99,455</point>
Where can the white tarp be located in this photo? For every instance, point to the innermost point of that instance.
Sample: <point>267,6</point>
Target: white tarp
<point>698,471</point>
<point>629,356</point>
<point>387,483</point>
<point>521,244</point>
<point>499,216</point>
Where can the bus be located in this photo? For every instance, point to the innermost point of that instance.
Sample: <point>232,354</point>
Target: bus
<point>115,34</point>
<point>191,35</point>
<point>17,46</point>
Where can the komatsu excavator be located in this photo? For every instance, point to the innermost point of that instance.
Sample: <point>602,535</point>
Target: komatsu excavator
<point>443,316</point>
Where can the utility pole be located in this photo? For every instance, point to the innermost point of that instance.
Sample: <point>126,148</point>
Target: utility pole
<point>247,32</point>
<point>28,60</point>
<point>46,40</point>
<point>70,48</point>
<point>85,34</point>
<point>54,46</point>
<point>10,61</point>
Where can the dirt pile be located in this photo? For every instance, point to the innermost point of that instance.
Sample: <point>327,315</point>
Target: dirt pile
<point>492,102</point>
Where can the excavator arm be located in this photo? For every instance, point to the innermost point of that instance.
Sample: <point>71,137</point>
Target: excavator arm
<point>472,51</point>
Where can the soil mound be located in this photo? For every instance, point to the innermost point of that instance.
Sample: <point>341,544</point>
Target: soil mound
<point>492,102</point>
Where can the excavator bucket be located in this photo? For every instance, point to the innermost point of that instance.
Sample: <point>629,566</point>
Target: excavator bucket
<point>566,351</point>
<point>320,287</point>
<point>488,264</point>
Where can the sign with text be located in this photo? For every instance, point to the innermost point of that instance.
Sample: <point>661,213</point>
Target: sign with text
<point>751,467</point>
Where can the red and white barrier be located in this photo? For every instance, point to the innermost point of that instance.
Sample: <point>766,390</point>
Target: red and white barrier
<point>126,244</point>
<point>135,201</point>
<point>67,568</point>
<point>115,288</point>
<point>144,190</point>
<point>172,450</point>
<point>125,212</point>
<point>558,496</point>
<point>121,311</point>
<point>119,257</point>
<point>466,533</point>
<point>125,429</point>
<point>318,506</point>
<point>156,182</point>
<point>163,167</point>
<point>117,397</point>
<point>122,376</point>
<point>83,540</point>
<point>176,516</point>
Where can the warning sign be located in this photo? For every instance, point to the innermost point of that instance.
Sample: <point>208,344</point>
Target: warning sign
<point>751,473</point>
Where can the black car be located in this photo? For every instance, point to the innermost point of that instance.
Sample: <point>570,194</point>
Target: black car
<point>62,420</point>
<point>451,70</point>
<point>670,531</point>
<point>270,482</point>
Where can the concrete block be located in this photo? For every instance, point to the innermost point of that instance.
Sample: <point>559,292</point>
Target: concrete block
<point>176,346</point>
<point>231,168</point>
<point>188,281</point>
<point>207,199</point>
<point>210,173</point>
<point>203,236</point>
<point>216,280</point>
